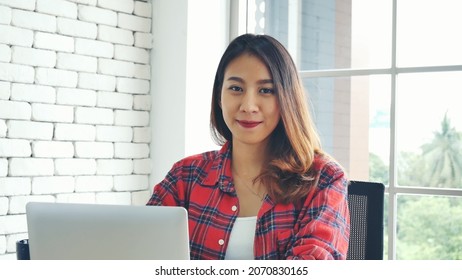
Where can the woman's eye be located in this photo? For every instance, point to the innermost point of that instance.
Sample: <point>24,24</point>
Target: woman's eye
<point>235,88</point>
<point>267,90</point>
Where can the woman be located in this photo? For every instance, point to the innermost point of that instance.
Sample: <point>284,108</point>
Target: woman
<point>270,192</point>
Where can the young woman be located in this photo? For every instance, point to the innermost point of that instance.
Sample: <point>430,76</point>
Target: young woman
<point>270,192</point>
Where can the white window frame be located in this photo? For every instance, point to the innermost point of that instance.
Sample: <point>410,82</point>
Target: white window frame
<point>393,190</point>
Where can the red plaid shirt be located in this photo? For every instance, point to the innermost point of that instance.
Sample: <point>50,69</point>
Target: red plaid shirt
<point>203,184</point>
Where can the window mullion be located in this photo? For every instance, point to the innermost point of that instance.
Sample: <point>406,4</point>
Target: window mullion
<point>294,33</point>
<point>392,196</point>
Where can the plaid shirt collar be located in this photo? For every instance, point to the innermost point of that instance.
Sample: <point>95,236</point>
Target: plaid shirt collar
<point>221,175</point>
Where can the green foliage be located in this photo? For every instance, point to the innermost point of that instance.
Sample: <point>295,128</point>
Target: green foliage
<point>378,171</point>
<point>443,157</point>
<point>410,169</point>
<point>440,163</point>
<point>429,227</point>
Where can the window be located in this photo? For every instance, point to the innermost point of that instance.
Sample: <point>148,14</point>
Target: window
<point>383,79</point>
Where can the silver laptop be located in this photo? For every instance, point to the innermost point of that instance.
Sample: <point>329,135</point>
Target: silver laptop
<point>65,231</point>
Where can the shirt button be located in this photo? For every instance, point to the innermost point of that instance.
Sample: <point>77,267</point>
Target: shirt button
<point>221,242</point>
<point>234,208</point>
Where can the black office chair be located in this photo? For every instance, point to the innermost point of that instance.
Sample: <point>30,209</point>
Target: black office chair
<point>365,200</point>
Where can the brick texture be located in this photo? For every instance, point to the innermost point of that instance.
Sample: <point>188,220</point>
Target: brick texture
<point>74,106</point>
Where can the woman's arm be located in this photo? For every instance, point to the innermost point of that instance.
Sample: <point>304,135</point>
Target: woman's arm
<point>323,229</point>
<point>169,191</point>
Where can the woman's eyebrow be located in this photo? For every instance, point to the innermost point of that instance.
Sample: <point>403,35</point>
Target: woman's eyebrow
<point>265,81</point>
<point>236,79</point>
<point>240,80</point>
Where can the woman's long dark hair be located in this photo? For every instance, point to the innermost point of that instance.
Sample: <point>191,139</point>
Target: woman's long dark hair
<point>289,174</point>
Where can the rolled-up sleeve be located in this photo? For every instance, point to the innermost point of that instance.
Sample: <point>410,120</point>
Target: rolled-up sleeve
<point>324,224</point>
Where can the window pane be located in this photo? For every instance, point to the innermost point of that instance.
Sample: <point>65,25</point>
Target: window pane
<point>429,131</point>
<point>428,32</point>
<point>429,228</point>
<point>327,34</point>
<point>352,117</point>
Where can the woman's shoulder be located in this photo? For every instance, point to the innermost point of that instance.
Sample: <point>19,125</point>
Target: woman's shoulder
<point>205,158</point>
<point>200,158</point>
<point>325,162</point>
<point>329,170</point>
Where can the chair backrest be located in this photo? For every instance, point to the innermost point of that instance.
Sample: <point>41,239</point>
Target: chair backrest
<point>365,200</point>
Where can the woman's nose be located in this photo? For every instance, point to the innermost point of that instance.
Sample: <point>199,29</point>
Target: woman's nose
<point>249,102</point>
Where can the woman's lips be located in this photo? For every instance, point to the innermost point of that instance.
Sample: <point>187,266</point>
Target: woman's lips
<point>249,124</point>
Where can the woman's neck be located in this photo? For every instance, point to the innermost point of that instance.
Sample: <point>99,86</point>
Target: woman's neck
<point>248,160</point>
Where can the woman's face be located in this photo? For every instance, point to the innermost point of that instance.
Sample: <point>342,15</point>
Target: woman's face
<point>249,104</point>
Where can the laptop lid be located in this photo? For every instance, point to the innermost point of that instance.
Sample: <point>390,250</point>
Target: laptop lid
<point>67,231</point>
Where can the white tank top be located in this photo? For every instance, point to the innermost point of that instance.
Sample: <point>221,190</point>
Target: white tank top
<point>240,246</point>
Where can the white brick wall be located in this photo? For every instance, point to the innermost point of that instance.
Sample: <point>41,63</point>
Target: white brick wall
<point>97,81</point>
<point>53,185</point>
<point>5,15</point>
<point>115,100</point>
<point>15,110</point>
<point>129,85</point>
<point>97,15</point>
<point>131,118</point>
<point>30,130</point>
<point>14,148</point>
<point>4,206</point>
<point>57,8</point>
<point>74,106</point>
<point>5,90</point>
<point>11,186</point>
<point>114,166</point>
<point>94,150</point>
<point>125,6</point>
<point>76,97</point>
<point>34,57</point>
<point>142,166</point>
<point>94,48</point>
<point>33,93</point>
<point>74,132</point>
<point>16,36</point>
<point>113,198</point>
<point>5,53</point>
<point>114,133</point>
<point>53,42</point>
<point>94,115</point>
<point>75,166</point>
<point>94,183</point>
<point>130,182</point>
<point>115,35</point>
<point>3,128</point>
<point>52,113</point>
<point>16,73</point>
<point>23,4</point>
<point>76,28</point>
<point>142,135</point>
<point>129,53</point>
<point>3,167</point>
<point>30,167</point>
<point>116,67</point>
<point>142,102</point>
<point>52,149</point>
<point>55,77</point>
<point>34,21</point>
<point>75,62</point>
<point>134,23</point>
<point>143,9</point>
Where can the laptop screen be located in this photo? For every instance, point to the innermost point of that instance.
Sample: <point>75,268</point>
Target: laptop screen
<point>66,231</point>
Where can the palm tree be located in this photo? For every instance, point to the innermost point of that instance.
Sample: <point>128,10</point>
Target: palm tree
<point>443,157</point>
